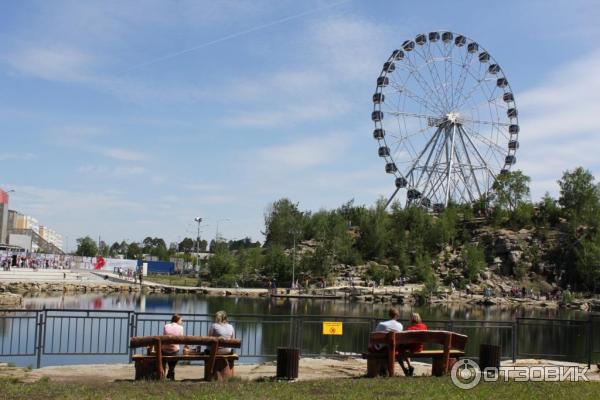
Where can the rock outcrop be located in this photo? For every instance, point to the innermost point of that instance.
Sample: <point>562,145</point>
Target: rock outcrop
<point>10,300</point>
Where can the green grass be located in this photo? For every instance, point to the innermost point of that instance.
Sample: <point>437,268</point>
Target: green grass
<point>346,389</point>
<point>174,280</point>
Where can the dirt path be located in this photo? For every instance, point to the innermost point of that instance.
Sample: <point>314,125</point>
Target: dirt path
<point>310,369</point>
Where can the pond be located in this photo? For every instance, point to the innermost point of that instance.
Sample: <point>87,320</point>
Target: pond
<point>100,333</point>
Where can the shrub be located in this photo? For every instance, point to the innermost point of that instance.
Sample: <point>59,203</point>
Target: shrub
<point>473,261</point>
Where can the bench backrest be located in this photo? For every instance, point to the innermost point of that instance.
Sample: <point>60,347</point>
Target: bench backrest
<point>450,340</point>
<point>159,341</point>
<point>143,341</point>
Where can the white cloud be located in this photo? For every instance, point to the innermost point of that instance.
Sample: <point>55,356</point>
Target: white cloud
<point>202,187</point>
<point>118,172</point>
<point>278,83</point>
<point>54,63</point>
<point>75,135</point>
<point>48,202</point>
<point>349,47</point>
<point>121,154</point>
<point>82,137</point>
<point>334,51</point>
<point>288,115</point>
<point>60,63</point>
<point>566,103</point>
<point>301,154</point>
<point>17,156</point>
<point>560,128</point>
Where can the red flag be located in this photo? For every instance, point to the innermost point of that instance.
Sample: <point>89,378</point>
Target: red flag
<point>100,262</point>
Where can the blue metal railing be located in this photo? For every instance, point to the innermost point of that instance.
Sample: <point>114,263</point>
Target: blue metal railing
<point>76,336</point>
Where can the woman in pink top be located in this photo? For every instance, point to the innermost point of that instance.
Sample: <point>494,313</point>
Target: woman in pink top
<point>175,328</point>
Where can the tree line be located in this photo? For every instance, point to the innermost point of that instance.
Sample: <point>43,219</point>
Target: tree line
<point>401,242</point>
<point>412,242</point>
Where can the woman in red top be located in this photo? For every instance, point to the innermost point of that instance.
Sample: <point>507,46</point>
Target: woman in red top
<point>416,324</point>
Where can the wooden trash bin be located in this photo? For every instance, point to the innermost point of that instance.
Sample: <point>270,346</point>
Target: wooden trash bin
<point>288,360</point>
<point>489,357</point>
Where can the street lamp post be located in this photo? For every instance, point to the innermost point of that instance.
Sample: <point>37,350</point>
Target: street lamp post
<point>294,257</point>
<point>294,262</point>
<point>199,221</point>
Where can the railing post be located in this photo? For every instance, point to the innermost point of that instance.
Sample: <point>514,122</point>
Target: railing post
<point>41,328</point>
<point>132,331</point>
<point>590,340</point>
<point>515,328</point>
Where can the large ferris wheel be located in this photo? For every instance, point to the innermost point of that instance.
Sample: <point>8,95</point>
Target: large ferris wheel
<point>445,118</point>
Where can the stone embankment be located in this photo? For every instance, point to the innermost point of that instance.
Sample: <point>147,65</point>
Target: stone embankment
<point>10,300</point>
<point>111,287</point>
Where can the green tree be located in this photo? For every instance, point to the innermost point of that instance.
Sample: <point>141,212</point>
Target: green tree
<point>155,247</point>
<point>511,189</point>
<point>424,270</point>
<point>379,273</point>
<point>521,216</point>
<point>331,230</point>
<point>245,243</point>
<point>448,221</point>
<point>103,249</point>
<point>374,238</point>
<point>351,213</point>
<point>250,261</point>
<point>549,212</point>
<point>579,197</point>
<point>186,245</point>
<point>588,263</point>
<point>473,260</point>
<point>283,220</point>
<point>134,251</point>
<point>115,249</point>
<point>277,265</point>
<point>222,263</point>
<point>86,247</point>
<point>317,264</point>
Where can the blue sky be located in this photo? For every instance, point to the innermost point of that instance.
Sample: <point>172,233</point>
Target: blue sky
<point>129,118</point>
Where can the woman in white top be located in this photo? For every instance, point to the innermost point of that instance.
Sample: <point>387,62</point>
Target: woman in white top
<point>223,329</point>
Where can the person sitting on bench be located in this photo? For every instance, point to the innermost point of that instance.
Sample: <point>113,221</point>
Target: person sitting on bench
<point>391,325</point>
<point>222,329</point>
<point>416,324</point>
<point>175,328</point>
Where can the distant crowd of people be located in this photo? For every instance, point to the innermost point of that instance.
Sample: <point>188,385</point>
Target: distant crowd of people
<point>522,293</point>
<point>10,260</point>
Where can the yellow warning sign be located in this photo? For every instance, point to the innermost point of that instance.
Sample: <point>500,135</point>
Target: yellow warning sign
<point>333,328</point>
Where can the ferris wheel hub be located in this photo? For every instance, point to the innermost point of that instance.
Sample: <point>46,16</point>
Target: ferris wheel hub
<point>453,117</point>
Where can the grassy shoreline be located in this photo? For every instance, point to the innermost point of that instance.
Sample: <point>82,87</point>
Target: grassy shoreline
<point>346,389</point>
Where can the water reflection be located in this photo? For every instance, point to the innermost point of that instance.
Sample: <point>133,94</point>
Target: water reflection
<point>196,304</point>
<point>264,324</point>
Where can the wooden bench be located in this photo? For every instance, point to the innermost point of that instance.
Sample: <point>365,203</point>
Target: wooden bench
<point>216,366</point>
<point>395,345</point>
